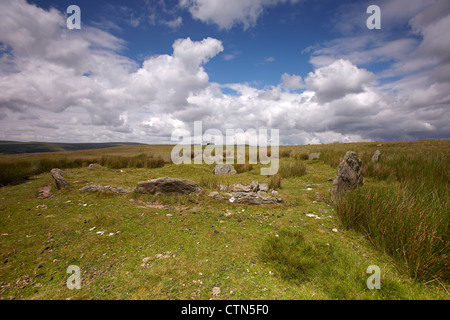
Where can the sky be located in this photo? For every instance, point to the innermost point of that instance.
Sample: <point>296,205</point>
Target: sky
<point>145,71</point>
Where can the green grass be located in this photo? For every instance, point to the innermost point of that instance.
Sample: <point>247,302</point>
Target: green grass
<point>250,252</point>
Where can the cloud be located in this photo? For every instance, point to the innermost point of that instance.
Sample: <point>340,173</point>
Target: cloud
<point>174,23</point>
<point>226,14</point>
<point>337,79</point>
<point>58,85</point>
<point>293,82</point>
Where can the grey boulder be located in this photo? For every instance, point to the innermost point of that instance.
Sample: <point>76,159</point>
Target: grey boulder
<point>167,186</point>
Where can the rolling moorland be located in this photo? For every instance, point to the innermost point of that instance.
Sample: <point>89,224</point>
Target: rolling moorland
<point>136,246</point>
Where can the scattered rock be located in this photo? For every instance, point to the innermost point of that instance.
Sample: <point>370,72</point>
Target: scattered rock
<point>147,259</point>
<point>263,187</point>
<point>254,186</point>
<point>253,198</point>
<point>59,180</point>
<point>334,230</point>
<point>254,193</point>
<point>240,188</point>
<point>44,192</point>
<point>314,156</point>
<point>224,169</point>
<point>98,188</point>
<point>223,187</point>
<point>349,174</point>
<point>216,291</point>
<point>167,186</point>
<point>376,156</point>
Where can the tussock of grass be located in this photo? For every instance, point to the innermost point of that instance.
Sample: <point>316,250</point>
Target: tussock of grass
<point>299,155</point>
<point>292,168</point>
<point>244,167</point>
<point>210,182</point>
<point>20,171</point>
<point>275,182</point>
<point>139,161</point>
<point>285,153</point>
<point>411,225</point>
<point>409,217</point>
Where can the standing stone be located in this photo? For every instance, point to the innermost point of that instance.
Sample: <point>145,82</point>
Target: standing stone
<point>59,180</point>
<point>376,156</point>
<point>167,186</point>
<point>314,156</point>
<point>349,174</point>
<point>224,169</point>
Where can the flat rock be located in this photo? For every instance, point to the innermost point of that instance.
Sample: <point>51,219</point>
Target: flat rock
<point>167,186</point>
<point>44,192</point>
<point>253,198</point>
<point>98,188</point>
<point>239,188</point>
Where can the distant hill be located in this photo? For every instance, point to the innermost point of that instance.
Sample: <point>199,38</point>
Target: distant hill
<point>12,147</point>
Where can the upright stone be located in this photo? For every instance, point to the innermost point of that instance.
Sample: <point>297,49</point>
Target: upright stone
<point>349,174</point>
<point>376,156</point>
<point>59,180</point>
<point>314,156</point>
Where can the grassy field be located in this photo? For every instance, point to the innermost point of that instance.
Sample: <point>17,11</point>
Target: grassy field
<point>133,246</point>
<point>12,147</point>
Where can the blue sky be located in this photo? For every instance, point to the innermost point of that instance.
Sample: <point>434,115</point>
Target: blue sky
<point>144,70</point>
<point>257,54</point>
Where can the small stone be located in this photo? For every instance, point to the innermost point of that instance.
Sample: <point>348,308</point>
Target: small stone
<point>215,291</point>
<point>224,169</point>
<point>334,230</point>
